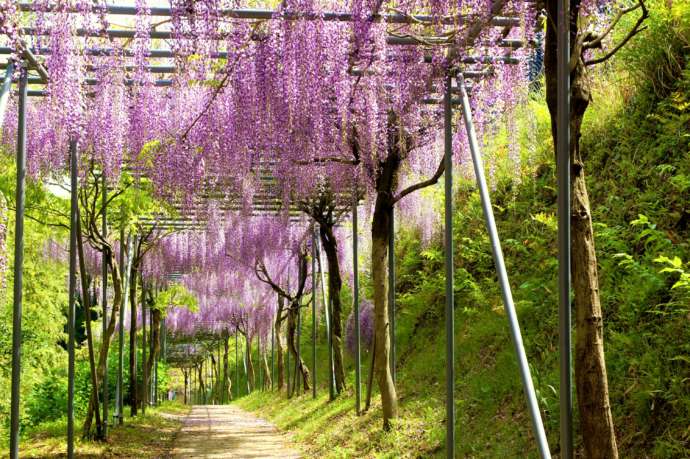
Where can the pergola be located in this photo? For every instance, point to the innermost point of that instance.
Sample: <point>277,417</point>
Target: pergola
<point>455,95</point>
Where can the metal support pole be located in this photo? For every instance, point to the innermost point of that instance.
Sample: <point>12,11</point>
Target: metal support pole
<point>104,301</point>
<point>298,372</point>
<point>18,267</point>
<point>5,90</point>
<point>313,311</point>
<point>528,386</point>
<point>329,340</point>
<point>355,300</point>
<point>237,369</point>
<point>450,276</point>
<point>273,368</point>
<point>126,262</point>
<point>391,291</point>
<point>144,376</point>
<point>564,256</point>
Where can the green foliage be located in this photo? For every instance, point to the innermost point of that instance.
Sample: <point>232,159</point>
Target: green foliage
<point>175,295</point>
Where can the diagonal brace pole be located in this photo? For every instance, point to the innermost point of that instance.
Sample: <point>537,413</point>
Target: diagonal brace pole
<point>528,386</point>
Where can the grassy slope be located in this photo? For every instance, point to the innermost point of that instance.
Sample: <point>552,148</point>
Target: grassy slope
<point>638,163</point>
<point>148,436</point>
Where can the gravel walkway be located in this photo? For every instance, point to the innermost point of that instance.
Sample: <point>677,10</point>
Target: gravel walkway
<point>227,431</point>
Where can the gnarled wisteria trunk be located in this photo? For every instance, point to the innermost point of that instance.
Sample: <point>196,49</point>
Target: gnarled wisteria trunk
<point>280,360</point>
<point>250,362</point>
<point>335,283</point>
<point>380,235</point>
<point>297,361</point>
<point>596,420</point>
<point>110,330</point>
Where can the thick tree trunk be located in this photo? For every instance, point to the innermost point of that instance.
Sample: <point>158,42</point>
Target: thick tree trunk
<point>379,257</point>
<point>225,386</point>
<point>202,386</point>
<point>267,371</point>
<point>330,246</point>
<point>280,360</point>
<point>250,363</point>
<point>292,348</point>
<point>186,384</point>
<point>154,345</point>
<point>596,420</point>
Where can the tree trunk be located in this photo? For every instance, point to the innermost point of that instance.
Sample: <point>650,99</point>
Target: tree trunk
<point>186,384</point>
<point>201,385</point>
<point>292,348</point>
<point>330,246</point>
<point>279,344</point>
<point>379,257</point>
<point>267,371</point>
<point>110,330</point>
<point>154,345</point>
<point>225,386</point>
<point>596,420</point>
<point>250,362</point>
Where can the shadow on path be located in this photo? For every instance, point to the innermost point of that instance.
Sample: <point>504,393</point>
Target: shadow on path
<point>226,431</point>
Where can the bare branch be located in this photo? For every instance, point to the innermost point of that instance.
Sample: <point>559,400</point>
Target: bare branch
<point>418,186</point>
<point>637,28</point>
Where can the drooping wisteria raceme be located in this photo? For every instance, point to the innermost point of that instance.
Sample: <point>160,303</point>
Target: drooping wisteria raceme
<point>298,108</point>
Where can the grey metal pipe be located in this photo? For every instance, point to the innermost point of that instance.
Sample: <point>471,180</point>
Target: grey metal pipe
<point>126,266</point>
<point>355,300</point>
<point>264,14</point>
<point>237,368</point>
<point>18,267</point>
<point>391,290</point>
<point>273,369</point>
<point>313,310</point>
<point>564,242</point>
<point>532,404</point>
<point>104,301</point>
<point>73,235</point>
<point>448,256</point>
<point>5,90</point>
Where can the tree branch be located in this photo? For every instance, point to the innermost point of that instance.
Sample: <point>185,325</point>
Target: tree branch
<point>418,186</point>
<point>637,28</point>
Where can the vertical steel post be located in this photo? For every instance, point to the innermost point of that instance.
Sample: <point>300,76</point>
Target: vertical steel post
<point>329,335</point>
<point>126,267</point>
<point>391,291</point>
<point>144,385</point>
<point>237,369</point>
<point>313,311</point>
<point>18,266</point>
<point>273,368</point>
<point>528,386</point>
<point>355,300</point>
<point>564,256</point>
<point>118,378</point>
<point>104,300</point>
<point>5,91</point>
<point>450,276</point>
<point>298,372</point>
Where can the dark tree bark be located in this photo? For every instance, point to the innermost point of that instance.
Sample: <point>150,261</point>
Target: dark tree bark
<point>335,284</point>
<point>292,347</point>
<point>250,362</point>
<point>279,342</point>
<point>226,390</point>
<point>596,420</point>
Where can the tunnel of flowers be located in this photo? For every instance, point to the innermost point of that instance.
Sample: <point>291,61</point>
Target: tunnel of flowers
<point>227,169</point>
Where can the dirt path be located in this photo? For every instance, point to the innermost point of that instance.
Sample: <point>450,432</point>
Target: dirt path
<point>227,431</point>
